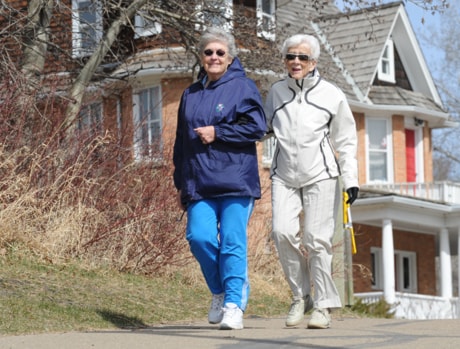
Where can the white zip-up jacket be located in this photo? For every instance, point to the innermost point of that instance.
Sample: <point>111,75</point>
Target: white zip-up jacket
<point>315,132</point>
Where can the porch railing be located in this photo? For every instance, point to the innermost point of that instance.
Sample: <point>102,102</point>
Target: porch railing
<point>442,191</point>
<point>418,307</point>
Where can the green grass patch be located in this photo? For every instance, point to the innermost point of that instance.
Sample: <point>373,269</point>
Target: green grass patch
<point>40,297</point>
<point>380,309</point>
<point>36,296</point>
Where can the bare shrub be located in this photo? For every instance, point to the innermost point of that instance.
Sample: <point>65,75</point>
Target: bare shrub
<point>66,198</point>
<point>71,198</point>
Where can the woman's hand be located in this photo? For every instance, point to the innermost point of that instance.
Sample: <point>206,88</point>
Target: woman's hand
<point>352,194</point>
<point>207,134</point>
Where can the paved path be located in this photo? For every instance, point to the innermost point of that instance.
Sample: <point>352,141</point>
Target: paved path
<point>258,333</point>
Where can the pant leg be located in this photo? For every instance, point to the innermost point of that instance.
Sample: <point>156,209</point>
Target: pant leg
<point>202,235</point>
<point>234,217</point>
<point>286,207</point>
<point>321,203</point>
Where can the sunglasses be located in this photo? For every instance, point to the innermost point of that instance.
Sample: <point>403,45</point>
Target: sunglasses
<point>301,57</point>
<point>209,52</point>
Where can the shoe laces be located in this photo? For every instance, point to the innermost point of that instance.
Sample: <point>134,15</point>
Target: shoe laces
<point>322,312</point>
<point>230,311</point>
<point>296,306</point>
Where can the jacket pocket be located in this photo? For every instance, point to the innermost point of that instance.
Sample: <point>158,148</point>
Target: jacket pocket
<point>329,157</point>
<point>216,177</point>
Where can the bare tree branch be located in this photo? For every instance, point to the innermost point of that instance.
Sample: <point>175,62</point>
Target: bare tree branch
<point>81,82</point>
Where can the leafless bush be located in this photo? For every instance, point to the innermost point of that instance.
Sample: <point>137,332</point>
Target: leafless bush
<point>70,198</point>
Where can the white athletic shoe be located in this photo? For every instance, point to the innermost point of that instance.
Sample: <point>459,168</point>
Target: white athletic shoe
<point>320,318</point>
<point>233,318</point>
<point>299,308</point>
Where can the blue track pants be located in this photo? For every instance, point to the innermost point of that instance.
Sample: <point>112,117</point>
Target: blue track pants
<point>217,234</point>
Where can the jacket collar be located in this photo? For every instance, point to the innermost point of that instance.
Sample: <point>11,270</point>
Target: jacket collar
<point>235,69</point>
<point>304,84</point>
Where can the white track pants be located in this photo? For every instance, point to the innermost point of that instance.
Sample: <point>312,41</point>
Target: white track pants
<point>320,203</point>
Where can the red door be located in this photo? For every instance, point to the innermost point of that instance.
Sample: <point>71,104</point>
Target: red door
<point>410,156</point>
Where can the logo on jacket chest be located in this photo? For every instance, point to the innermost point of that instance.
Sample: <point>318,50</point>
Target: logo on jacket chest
<point>220,107</point>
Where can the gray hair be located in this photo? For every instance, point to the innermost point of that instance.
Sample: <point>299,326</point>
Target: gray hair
<point>299,39</point>
<point>213,34</point>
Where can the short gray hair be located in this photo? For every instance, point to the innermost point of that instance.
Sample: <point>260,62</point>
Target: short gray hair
<point>213,34</point>
<point>299,39</point>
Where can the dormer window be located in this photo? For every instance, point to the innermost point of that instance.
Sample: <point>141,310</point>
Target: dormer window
<point>86,27</point>
<point>266,19</point>
<point>387,64</point>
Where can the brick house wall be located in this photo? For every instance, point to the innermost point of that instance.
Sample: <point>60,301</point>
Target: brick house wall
<point>172,91</point>
<point>422,244</point>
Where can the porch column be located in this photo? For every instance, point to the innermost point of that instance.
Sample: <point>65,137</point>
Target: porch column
<point>458,268</point>
<point>445,264</point>
<point>388,262</point>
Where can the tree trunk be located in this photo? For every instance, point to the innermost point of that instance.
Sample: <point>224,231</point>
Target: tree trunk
<point>36,40</point>
<point>78,88</point>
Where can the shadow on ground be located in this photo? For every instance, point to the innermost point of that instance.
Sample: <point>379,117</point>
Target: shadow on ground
<point>121,320</point>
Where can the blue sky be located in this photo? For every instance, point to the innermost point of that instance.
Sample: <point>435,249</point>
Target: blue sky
<point>431,23</point>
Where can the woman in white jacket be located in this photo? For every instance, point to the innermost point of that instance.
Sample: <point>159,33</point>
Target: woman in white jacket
<point>316,144</point>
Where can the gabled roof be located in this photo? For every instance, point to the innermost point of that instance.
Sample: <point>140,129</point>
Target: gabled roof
<point>358,39</point>
<point>355,43</point>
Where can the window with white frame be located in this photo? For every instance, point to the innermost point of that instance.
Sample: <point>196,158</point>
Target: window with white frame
<point>266,19</point>
<point>386,70</point>
<point>86,26</point>
<point>376,268</point>
<point>215,13</point>
<point>379,150</point>
<point>145,26</point>
<point>405,270</point>
<point>147,123</point>
<point>90,119</point>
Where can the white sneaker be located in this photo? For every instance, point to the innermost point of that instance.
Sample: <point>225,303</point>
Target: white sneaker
<point>298,309</point>
<point>216,313</point>
<point>320,318</point>
<point>233,318</point>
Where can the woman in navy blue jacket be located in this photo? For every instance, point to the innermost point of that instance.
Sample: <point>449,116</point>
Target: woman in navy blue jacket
<point>220,118</point>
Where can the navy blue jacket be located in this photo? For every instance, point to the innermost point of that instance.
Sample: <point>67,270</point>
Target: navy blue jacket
<point>228,166</point>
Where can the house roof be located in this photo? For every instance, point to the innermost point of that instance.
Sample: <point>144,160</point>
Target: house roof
<point>394,95</point>
<point>358,39</point>
<point>353,44</point>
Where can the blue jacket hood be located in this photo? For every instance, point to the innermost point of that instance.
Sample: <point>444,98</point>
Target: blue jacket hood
<point>234,70</point>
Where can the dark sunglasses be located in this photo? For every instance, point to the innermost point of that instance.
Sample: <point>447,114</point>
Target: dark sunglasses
<point>209,53</point>
<point>291,57</point>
